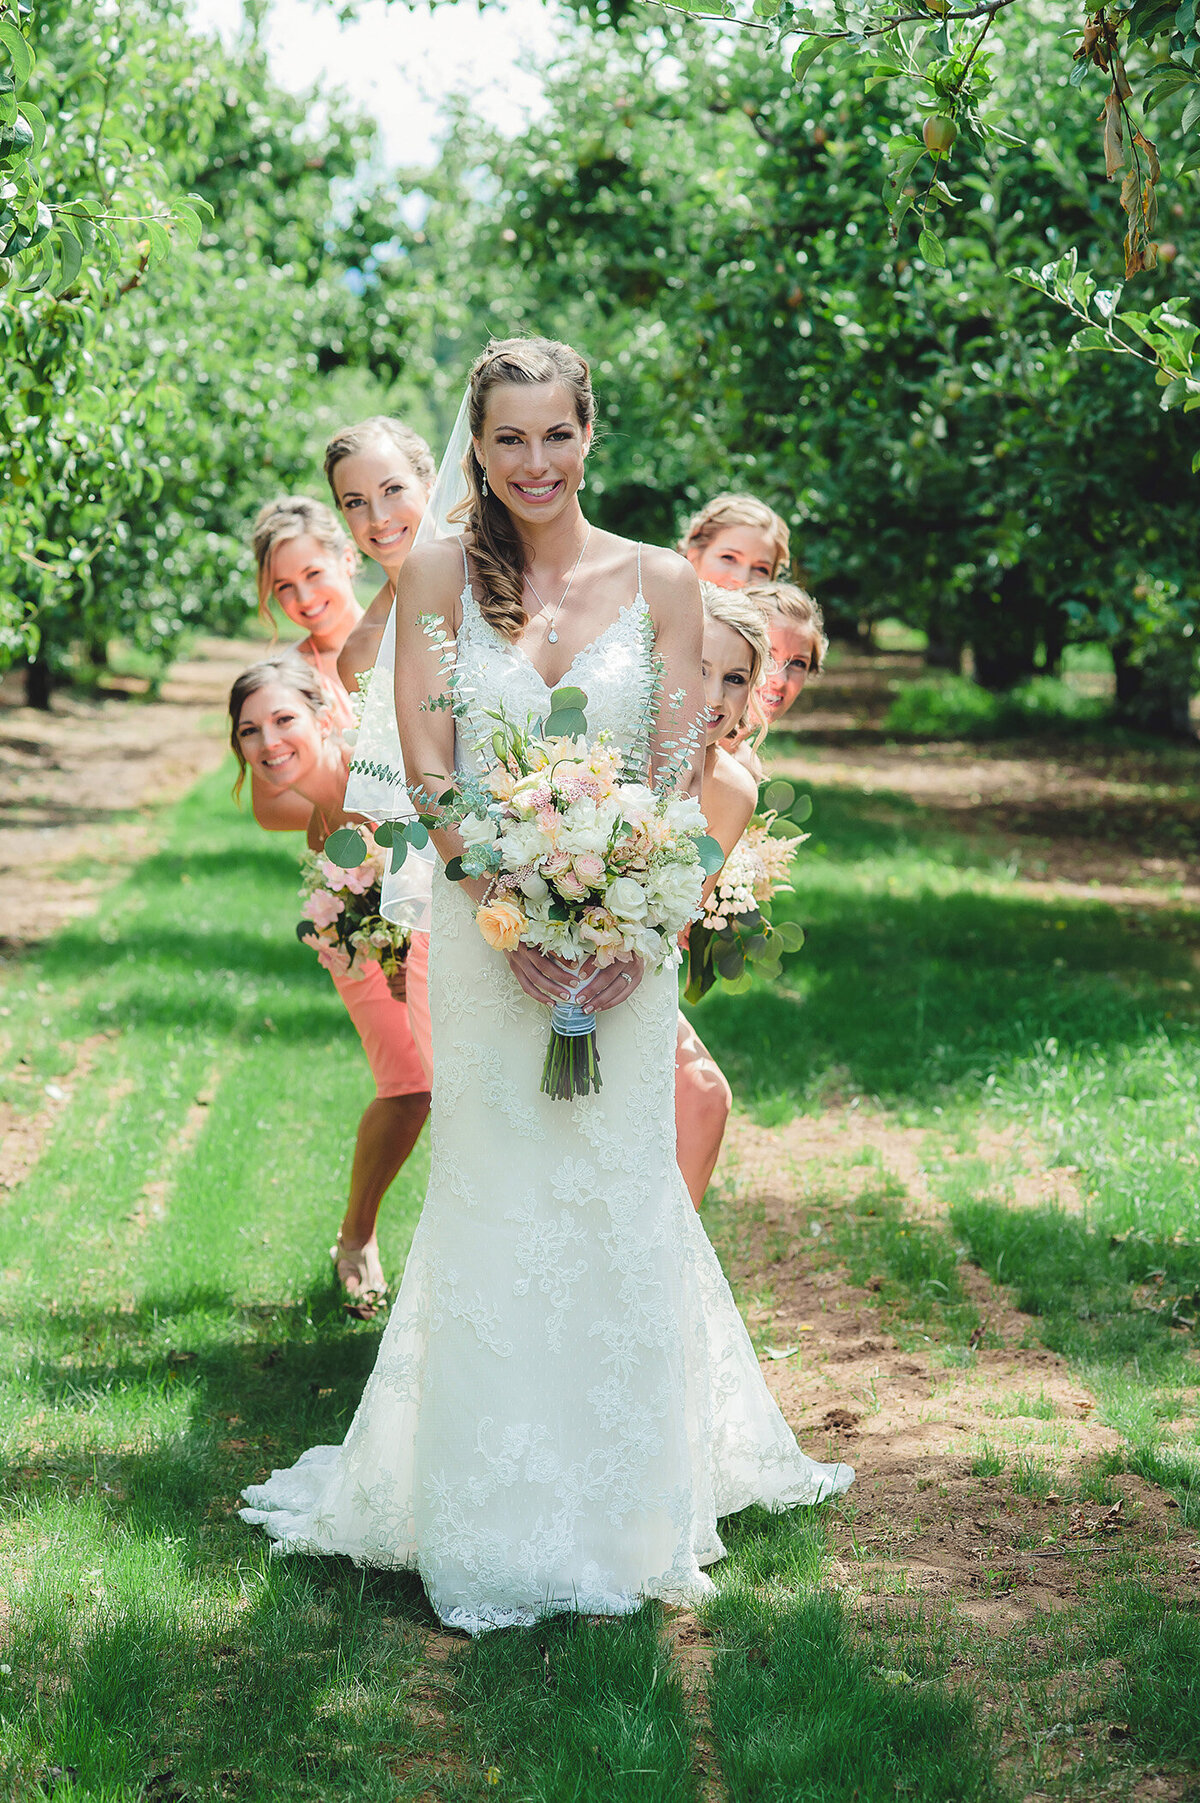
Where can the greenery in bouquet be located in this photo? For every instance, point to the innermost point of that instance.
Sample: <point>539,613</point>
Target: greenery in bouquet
<point>342,921</point>
<point>735,930</point>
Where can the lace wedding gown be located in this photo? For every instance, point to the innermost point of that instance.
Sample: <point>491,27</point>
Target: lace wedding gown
<point>565,1397</point>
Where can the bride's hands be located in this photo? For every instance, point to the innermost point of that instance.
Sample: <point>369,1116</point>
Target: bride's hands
<point>549,980</point>
<point>606,988</point>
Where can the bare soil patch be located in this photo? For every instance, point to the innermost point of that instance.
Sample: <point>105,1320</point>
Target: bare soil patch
<point>78,784</point>
<point>925,1520</point>
<point>1084,819</point>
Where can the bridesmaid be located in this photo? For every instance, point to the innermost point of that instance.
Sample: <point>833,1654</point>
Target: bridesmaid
<point>380,473</point>
<point>798,644</point>
<point>282,724</point>
<point>735,659</point>
<point>736,540</point>
<point>306,565</point>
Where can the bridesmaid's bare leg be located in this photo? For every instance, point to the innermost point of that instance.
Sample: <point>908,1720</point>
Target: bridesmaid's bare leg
<point>387,1133</point>
<point>702,1102</point>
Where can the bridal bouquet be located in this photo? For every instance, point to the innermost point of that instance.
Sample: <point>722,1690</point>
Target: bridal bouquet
<point>736,929</point>
<point>586,862</point>
<point>342,921</point>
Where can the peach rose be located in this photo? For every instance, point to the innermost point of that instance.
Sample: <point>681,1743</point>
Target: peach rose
<point>502,924</point>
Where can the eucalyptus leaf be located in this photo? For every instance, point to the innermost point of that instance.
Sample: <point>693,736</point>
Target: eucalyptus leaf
<point>566,723</point>
<point>711,855</point>
<point>346,848</point>
<point>778,797</point>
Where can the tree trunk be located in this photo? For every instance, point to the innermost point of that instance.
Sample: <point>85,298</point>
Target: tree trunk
<point>944,640</point>
<point>38,684</point>
<point>1154,694</point>
<point>1005,632</point>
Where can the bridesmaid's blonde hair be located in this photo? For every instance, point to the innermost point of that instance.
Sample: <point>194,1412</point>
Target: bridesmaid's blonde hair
<point>293,516</point>
<point>737,609</point>
<point>738,510</point>
<point>798,608</point>
<point>293,672</point>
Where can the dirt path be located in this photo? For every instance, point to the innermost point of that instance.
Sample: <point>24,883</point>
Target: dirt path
<point>926,1519</point>
<point>1084,819</point>
<point>79,785</point>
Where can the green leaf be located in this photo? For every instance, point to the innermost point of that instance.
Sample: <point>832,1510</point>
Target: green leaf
<point>399,853</point>
<point>18,49</point>
<point>70,257</point>
<point>932,250</point>
<point>730,963</point>
<point>739,985</point>
<point>1091,338</point>
<point>416,834</point>
<point>790,935</point>
<point>568,698</point>
<point>566,723</point>
<point>455,871</point>
<point>711,855</point>
<point>778,797</point>
<point>385,833</point>
<point>801,810</point>
<point>346,848</point>
<point>807,55</point>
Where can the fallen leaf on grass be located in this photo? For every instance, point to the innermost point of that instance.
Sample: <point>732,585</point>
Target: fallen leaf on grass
<point>780,1352</point>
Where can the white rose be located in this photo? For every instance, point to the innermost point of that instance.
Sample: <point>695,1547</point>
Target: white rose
<point>685,815</point>
<point>478,829</point>
<point>626,899</point>
<point>534,888</point>
<point>637,803</point>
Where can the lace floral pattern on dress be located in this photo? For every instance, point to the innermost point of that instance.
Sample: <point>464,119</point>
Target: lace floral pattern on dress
<point>565,1396</point>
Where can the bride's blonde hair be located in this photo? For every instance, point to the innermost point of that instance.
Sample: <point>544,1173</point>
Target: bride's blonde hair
<point>495,544</point>
<point>737,609</point>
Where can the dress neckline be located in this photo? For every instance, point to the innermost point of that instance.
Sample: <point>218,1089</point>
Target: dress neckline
<point>514,647</point>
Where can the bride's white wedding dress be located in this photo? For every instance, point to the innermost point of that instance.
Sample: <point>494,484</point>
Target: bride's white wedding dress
<point>565,1398</point>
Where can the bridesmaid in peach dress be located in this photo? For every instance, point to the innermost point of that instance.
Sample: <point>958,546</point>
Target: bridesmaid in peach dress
<point>306,564</point>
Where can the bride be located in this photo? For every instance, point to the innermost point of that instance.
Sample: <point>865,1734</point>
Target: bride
<point>565,1398</point>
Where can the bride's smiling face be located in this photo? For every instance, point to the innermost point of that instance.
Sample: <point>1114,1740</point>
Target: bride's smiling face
<point>532,448</point>
<point>281,738</point>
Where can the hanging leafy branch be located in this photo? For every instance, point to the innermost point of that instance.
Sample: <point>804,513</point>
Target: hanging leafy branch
<point>934,48</point>
<point>116,200</point>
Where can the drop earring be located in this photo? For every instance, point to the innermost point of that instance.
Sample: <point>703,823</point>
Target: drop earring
<point>582,481</point>
<point>483,478</point>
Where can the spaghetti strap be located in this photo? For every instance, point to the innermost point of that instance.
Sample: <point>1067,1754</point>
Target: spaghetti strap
<point>639,586</point>
<point>467,567</point>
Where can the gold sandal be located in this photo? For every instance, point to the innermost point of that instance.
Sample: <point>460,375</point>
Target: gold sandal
<point>361,1276</point>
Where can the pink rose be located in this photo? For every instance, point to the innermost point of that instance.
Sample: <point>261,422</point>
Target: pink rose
<point>570,887</point>
<point>589,868</point>
<point>322,908</point>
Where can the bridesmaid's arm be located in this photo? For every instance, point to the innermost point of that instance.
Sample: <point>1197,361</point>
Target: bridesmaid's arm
<point>672,592</point>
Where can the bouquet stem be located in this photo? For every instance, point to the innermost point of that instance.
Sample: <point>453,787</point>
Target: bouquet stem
<point>572,1067</point>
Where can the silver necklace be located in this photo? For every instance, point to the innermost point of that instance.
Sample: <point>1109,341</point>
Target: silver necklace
<point>552,636</point>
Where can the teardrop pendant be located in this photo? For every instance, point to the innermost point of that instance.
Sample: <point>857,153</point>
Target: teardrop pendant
<point>552,636</point>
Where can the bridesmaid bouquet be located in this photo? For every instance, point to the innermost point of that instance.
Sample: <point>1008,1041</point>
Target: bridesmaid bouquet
<point>736,929</point>
<point>342,921</point>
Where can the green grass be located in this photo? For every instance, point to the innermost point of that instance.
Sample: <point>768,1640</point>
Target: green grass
<point>801,1712</point>
<point>952,707</point>
<point>170,1331</point>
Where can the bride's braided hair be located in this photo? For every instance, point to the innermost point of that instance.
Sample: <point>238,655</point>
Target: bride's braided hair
<point>496,546</point>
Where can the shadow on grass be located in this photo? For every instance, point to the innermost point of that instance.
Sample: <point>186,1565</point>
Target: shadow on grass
<point>244,1404</point>
<point>919,993</point>
<point>291,1689</point>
